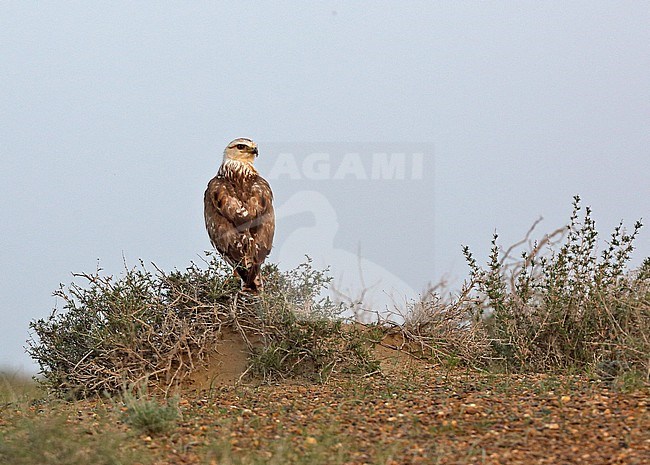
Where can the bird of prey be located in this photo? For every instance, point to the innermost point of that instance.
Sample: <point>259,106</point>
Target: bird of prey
<point>239,213</point>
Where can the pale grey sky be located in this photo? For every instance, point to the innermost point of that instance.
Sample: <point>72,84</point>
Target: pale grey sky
<point>114,115</point>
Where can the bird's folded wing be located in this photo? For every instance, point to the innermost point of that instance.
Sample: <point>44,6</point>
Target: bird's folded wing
<point>228,205</point>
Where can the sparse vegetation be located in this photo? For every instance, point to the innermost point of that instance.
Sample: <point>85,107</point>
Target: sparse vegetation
<point>567,307</point>
<point>147,414</point>
<point>160,326</point>
<point>446,330</point>
<point>14,388</point>
<point>560,305</point>
<point>417,415</point>
<point>559,334</point>
<point>47,433</point>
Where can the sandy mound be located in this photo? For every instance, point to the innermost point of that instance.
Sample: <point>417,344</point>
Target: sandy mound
<point>226,365</point>
<point>229,362</point>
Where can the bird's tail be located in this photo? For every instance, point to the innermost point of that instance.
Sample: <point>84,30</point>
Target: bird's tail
<point>251,279</point>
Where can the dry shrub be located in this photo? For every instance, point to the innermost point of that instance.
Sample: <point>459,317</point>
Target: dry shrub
<point>559,305</point>
<point>158,327</point>
<point>446,329</point>
<point>299,332</point>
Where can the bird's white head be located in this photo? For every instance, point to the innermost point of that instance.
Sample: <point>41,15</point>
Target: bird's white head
<point>242,150</point>
<point>238,158</point>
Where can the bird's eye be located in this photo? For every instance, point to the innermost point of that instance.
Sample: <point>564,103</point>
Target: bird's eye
<point>241,147</point>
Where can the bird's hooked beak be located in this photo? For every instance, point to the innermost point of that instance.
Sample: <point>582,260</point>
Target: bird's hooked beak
<point>255,152</point>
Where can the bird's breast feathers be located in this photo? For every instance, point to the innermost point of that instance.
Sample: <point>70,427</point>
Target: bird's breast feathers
<point>245,201</point>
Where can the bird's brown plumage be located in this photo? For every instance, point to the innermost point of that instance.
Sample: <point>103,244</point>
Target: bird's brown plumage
<point>239,215</point>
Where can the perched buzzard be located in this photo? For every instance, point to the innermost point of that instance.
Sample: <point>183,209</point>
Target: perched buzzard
<point>239,213</point>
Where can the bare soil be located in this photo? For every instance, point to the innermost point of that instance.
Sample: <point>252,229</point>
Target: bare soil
<point>409,413</point>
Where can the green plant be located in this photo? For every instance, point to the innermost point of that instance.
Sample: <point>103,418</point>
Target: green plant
<point>301,332</point>
<point>567,307</point>
<point>147,414</point>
